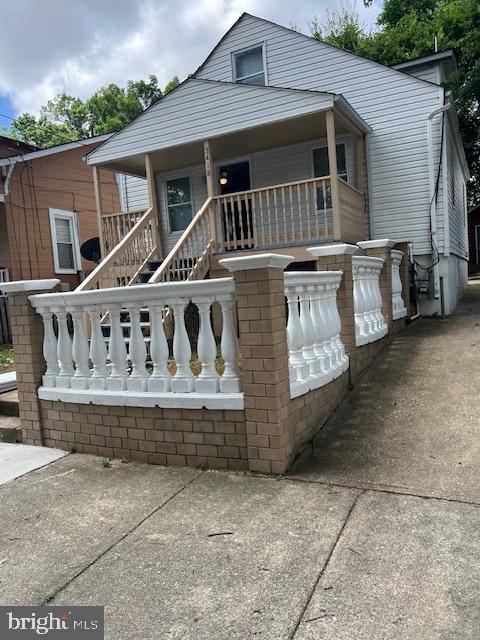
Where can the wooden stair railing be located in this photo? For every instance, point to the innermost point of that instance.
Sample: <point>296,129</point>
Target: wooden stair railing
<point>128,259</point>
<point>190,257</point>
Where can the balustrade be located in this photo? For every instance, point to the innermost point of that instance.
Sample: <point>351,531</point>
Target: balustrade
<point>316,352</point>
<point>399,310</point>
<point>82,370</point>
<point>369,321</point>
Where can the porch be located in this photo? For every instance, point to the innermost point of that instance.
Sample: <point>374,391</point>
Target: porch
<point>305,181</point>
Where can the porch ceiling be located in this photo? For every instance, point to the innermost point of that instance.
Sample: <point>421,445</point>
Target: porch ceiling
<point>237,119</point>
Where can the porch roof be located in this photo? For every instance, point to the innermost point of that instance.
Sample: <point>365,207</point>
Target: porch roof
<point>205,109</point>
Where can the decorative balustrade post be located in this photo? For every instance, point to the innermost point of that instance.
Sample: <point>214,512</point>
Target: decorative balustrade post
<point>183,380</point>
<point>137,380</point>
<point>49,349</point>
<point>27,329</point>
<point>207,381</point>
<point>160,380</point>
<point>64,350</point>
<point>335,257</point>
<point>319,325</point>
<point>117,352</point>
<point>98,351</point>
<point>399,309</point>
<point>296,339</point>
<point>382,249</point>
<point>264,349</point>
<point>79,351</point>
<point>304,294</point>
<point>230,380</point>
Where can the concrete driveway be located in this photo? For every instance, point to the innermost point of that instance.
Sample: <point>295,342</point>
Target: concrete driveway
<point>375,532</point>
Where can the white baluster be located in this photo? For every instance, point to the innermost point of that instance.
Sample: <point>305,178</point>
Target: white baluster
<point>329,304</point>
<point>137,380</point>
<point>183,381</point>
<point>208,380</point>
<point>327,330</point>
<point>371,317</point>
<point>98,351</point>
<point>117,353</point>
<point>64,350</point>
<point>230,381</point>
<point>49,349</point>
<point>319,329</point>
<point>378,302</point>
<point>338,325</point>
<point>398,307</point>
<point>160,380</point>
<point>359,301</point>
<point>79,351</point>
<point>299,368</point>
<point>308,330</point>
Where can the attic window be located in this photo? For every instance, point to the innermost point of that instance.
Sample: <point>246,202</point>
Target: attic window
<point>249,67</point>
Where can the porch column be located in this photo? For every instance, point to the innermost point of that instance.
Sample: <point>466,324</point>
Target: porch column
<point>209,174</point>
<point>97,185</point>
<point>152,199</point>
<point>360,164</point>
<point>332,162</point>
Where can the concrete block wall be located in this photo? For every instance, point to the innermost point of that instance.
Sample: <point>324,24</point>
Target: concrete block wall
<point>265,437</point>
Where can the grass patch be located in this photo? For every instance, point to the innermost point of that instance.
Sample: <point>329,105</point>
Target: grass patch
<point>7,358</point>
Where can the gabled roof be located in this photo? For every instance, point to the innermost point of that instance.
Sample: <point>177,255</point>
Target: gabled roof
<point>199,109</point>
<point>440,56</point>
<point>59,148</point>
<point>300,35</point>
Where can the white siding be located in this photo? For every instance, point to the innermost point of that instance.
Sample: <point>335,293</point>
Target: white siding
<point>199,109</point>
<point>133,192</point>
<point>424,72</point>
<point>456,202</point>
<point>394,104</point>
<point>276,166</point>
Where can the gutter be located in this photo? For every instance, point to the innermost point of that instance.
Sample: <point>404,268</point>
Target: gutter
<point>433,195</point>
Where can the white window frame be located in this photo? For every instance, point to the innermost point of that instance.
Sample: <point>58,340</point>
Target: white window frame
<point>165,193</point>
<point>71,216</point>
<point>259,45</point>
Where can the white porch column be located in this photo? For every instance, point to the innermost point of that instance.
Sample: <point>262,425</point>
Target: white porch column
<point>332,161</point>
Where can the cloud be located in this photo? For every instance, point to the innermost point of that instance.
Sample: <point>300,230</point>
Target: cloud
<point>53,45</point>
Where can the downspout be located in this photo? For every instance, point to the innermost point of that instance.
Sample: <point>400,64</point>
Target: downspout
<point>7,181</point>
<point>433,195</point>
<point>369,185</point>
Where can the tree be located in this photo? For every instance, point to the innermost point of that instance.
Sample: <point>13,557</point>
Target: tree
<point>406,30</point>
<point>67,118</point>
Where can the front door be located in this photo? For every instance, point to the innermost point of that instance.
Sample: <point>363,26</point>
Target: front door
<point>237,210</point>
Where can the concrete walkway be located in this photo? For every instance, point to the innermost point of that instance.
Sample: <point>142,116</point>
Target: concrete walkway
<point>375,534</point>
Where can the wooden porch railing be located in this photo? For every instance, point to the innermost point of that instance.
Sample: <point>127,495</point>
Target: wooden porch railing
<point>281,214</point>
<point>115,226</point>
<point>127,259</point>
<point>190,257</point>
<point>352,212</point>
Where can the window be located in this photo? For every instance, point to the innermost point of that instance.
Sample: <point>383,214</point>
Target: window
<point>321,168</point>
<point>248,66</point>
<point>65,241</point>
<point>179,203</point>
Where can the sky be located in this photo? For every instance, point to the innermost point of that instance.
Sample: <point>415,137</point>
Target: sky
<point>78,46</point>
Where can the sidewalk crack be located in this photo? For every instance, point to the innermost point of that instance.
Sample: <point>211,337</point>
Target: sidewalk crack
<point>325,565</point>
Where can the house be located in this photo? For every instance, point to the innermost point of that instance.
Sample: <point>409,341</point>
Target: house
<point>288,183</point>
<point>474,239</point>
<point>47,209</point>
<point>294,140</point>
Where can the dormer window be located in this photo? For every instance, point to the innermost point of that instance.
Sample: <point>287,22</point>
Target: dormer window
<point>249,66</point>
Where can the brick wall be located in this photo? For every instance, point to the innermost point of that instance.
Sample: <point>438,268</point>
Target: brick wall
<point>180,437</point>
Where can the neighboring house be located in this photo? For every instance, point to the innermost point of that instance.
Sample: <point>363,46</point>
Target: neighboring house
<point>280,141</point>
<point>474,239</point>
<point>47,209</point>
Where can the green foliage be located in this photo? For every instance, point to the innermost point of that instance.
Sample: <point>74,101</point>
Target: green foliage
<point>406,30</point>
<point>67,118</point>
